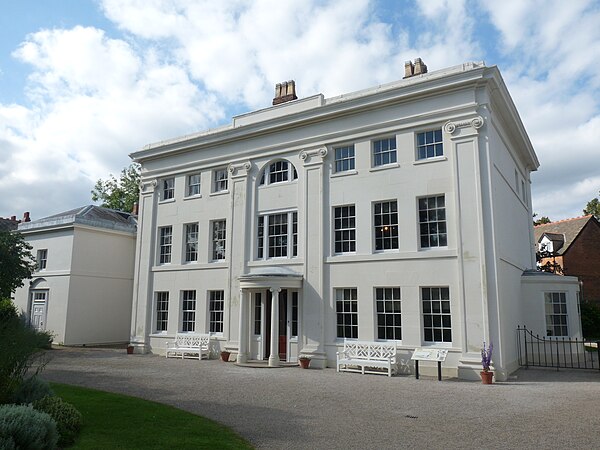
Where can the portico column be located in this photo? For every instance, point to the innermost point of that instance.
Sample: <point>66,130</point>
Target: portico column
<point>242,356</point>
<point>274,356</point>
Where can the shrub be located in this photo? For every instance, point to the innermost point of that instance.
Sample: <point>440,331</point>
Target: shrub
<point>590,320</point>
<point>8,311</point>
<point>22,427</point>
<point>31,389</point>
<point>67,418</point>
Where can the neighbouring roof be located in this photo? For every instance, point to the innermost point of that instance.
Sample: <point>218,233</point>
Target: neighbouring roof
<point>90,215</point>
<point>567,229</point>
<point>8,225</point>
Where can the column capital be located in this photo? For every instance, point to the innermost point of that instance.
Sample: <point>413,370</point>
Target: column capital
<point>278,290</point>
<point>313,156</point>
<point>240,169</point>
<point>471,125</point>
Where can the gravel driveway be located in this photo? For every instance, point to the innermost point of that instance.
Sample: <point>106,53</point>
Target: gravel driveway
<point>293,408</point>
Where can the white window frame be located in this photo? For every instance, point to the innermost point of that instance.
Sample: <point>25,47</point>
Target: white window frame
<point>352,314</point>
<point>188,311</point>
<point>214,252</point>
<point>344,158</point>
<point>189,242</point>
<point>193,186</point>
<point>214,322</point>
<point>263,248</point>
<point>426,145</point>
<point>429,220</point>
<point>165,242</point>
<point>385,227</point>
<point>220,183</point>
<point>168,189</point>
<point>431,311</point>
<point>157,312</point>
<point>291,174</point>
<point>393,295</point>
<point>42,259</point>
<point>392,153</point>
<point>554,310</point>
<point>351,230</point>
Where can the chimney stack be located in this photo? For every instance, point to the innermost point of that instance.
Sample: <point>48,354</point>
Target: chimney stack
<point>135,209</point>
<point>285,92</point>
<point>26,217</point>
<point>418,68</point>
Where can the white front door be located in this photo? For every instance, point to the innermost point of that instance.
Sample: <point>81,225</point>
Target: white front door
<point>39,309</point>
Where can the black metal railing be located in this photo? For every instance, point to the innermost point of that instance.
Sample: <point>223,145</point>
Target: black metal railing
<point>558,352</point>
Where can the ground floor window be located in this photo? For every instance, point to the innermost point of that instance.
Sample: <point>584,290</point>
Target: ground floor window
<point>188,308</point>
<point>389,317</point>
<point>162,311</point>
<point>216,306</point>
<point>257,313</point>
<point>437,320</point>
<point>346,306</point>
<point>294,331</point>
<point>556,314</point>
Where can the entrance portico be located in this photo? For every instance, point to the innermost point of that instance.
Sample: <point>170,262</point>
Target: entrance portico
<point>275,283</point>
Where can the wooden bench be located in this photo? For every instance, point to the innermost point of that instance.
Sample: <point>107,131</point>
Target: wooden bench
<point>358,356</point>
<point>189,345</point>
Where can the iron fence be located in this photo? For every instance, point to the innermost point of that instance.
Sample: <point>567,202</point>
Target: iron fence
<point>558,352</point>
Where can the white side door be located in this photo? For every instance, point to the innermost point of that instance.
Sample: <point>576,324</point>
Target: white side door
<point>39,309</point>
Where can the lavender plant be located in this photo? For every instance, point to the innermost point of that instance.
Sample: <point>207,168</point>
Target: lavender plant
<point>486,356</point>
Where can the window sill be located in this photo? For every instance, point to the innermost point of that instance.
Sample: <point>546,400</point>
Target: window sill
<point>213,194</point>
<point>447,345</point>
<point>385,167</point>
<point>433,249</point>
<point>192,197</point>
<point>430,160</point>
<point>345,173</point>
<point>278,183</point>
<point>169,200</point>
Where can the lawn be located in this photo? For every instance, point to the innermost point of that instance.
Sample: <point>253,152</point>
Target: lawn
<point>121,422</point>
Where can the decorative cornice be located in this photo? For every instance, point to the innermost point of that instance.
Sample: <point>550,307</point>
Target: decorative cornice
<point>239,169</point>
<point>476,123</point>
<point>317,154</point>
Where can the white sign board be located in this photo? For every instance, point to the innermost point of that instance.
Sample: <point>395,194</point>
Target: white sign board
<point>430,354</point>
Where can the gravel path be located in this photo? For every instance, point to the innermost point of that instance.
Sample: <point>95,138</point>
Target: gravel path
<point>294,408</point>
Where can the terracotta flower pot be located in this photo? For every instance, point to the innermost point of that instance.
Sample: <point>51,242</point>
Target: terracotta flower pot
<point>304,362</point>
<point>130,349</point>
<point>225,356</point>
<point>486,377</point>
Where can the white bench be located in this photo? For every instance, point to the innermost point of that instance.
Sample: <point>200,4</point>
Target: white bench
<point>358,356</point>
<point>189,345</point>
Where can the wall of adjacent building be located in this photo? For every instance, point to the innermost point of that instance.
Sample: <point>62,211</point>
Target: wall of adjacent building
<point>582,259</point>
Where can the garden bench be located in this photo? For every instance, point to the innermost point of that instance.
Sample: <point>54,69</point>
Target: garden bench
<point>189,345</point>
<point>358,356</point>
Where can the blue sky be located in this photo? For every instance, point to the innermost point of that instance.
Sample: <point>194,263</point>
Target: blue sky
<point>85,83</point>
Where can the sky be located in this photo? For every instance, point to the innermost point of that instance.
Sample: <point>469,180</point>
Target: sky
<point>83,83</point>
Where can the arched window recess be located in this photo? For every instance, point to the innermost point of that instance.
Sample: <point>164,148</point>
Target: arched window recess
<point>280,171</point>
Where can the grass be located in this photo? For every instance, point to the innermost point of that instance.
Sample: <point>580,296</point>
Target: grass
<point>120,422</point>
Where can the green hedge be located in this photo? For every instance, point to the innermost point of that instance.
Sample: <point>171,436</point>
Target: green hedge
<point>68,419</point>
<point>22,427</point>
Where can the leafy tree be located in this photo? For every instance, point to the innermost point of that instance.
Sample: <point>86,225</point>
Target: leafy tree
<point>593,207</point>
<point>542,220</point>
<point>16,262</point>
<point>119,194</point>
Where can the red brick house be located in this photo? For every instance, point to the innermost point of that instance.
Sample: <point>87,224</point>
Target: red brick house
<point>575,245</point>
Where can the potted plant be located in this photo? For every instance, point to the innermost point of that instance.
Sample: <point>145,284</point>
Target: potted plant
<point>486,360</point>
<point>304,361</point>
<point>225,356</point>
<point>130,349</point>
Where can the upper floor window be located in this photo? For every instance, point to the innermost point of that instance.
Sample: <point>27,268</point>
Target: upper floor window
<point>278,172</point>
<point>193,185</point>
<point>344,229</point>
<point>385,219</point>
<point>165,243</point>
<point>218,239</point>
<point>556,314</point>
<point>384,151</point>
<point>344,158</point>
<point>191,242</point>
<point>42,258</point>
<point>279,234</point>
<point>168,188</point>
<point>429,144</point>
<point>220,180</point>
<point>432,222</point>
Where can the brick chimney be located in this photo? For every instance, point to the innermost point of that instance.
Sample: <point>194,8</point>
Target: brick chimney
<point>418,68</point>
<point>285,92</point>
<point>26,217</point>
<point>135,209</point>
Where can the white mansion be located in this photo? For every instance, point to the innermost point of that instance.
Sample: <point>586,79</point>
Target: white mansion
<point>401,212</point>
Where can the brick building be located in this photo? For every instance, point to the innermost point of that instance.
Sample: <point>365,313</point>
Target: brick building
<point>575,245</point>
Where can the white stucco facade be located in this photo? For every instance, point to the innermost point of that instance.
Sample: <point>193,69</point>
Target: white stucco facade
<point>82,294</point>
<point>338,249</point>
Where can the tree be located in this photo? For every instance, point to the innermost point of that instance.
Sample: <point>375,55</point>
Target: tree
<point>593,207</point>
<point>541,221</point>
<point>16,262</point>
<point>119,194</point>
